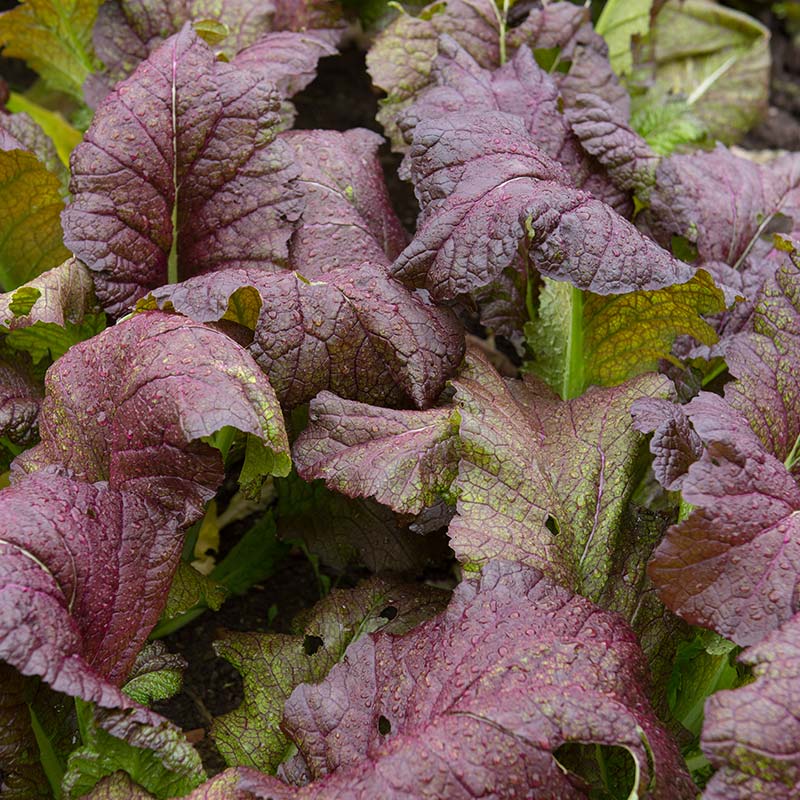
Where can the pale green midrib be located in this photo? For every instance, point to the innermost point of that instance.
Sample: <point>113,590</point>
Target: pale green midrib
<point>573,378</point>
<point>502,22</point>
<point>172,261</point>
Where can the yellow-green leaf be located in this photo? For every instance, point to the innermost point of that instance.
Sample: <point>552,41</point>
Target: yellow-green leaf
<point>31,239</point>
<point>55,39</point>
<point>580,338</point>
<point>620,21</point>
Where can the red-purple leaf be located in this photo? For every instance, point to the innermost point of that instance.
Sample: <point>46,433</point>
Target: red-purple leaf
<point>84,570</point>
<point>522,88</point>
<point>286,58</point>
<point>487,190</point>
<point>348,219</point>
<point>752,734</point>
<point>355,331</point>
<point>404,459</point>
<point>475,702</point>
<point>130,405</point>
<point>179,174</point>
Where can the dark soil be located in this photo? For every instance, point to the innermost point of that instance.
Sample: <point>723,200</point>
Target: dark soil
<point>211,685</point>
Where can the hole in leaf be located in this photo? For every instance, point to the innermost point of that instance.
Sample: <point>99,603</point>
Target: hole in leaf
<point>311,644</point>
<point>599,770</point>
<point>384,726</point>
<point>390,612</point>
<point>552,525</point>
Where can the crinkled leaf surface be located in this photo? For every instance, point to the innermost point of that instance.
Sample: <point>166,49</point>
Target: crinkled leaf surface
<point>520,87</point>
<point>30,229</point>
<point>487,190</point>
<point>340,322</point>
<point>341,531</point>
<point>675,444</point>
<point>715,57</point>
<point>348,217</point>
<point>127,31</point>
<point>272,665</point>
<point>83,577</point>
<point>580,338</point>
<point>752,734</point>
<point>543,481</point>
<point>54,37</point>
<point>476,701</point>
<point>179,174</point>
<point>20,398</point>
<point>287,58</point>
<point>605,134</point>
<point>732,564</point>
<point>355,331</point>
<point>404,459</point>
<point>401,60</point>
<point>130,405</point>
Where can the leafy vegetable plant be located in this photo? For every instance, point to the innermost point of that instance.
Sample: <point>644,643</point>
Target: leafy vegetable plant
<point>212,320</point>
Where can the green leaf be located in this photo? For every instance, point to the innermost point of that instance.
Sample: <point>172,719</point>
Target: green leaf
<point>166,765</point>
<point>156,675</point>
<point>190,594</point>
<point>619,22</point>
<point>272,665</point>
<point>31,239</point>
<point>580,339</point>
<point>715,58</point>
<point>64,136</point>
<point>55,39</point>
<point>703,665</point>
<point>668,125</point>
<point>252,559</point>
<point>48,339</point>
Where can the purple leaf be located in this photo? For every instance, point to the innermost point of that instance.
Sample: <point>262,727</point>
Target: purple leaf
<point>130,405</point>
<point>286,58</point>
<point>675,445</point>
<point>727,206</point>
<point>179,167</point>
<point>128,31</point>
<point>84,570</point>
<point>348,218</point>
<point>475,702</point>
<point>733,564</point>
<point>486,190</point>
<point>404,459</point>
<point>20,398</point>
<point>520,87</point>
<point>355,331</point>
<point>607,136</point>
<point>752,735</point>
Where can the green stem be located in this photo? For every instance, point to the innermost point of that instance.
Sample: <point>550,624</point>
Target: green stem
<point>502,22</point>
<point>169,626</point>
<point>47,755</point>
<point>791,459</point>
<point>572,384</point>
